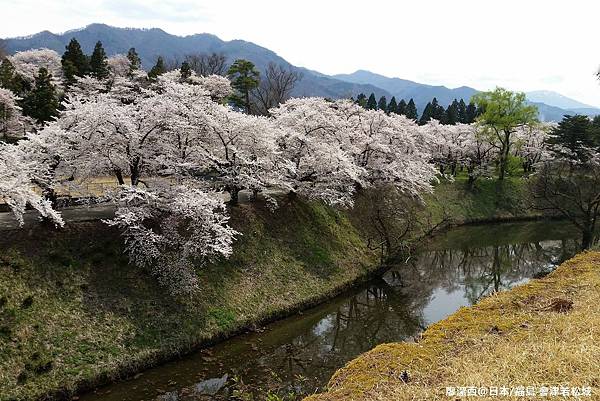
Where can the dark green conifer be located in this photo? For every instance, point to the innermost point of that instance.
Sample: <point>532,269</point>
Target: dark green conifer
<point>158,69</point>
<point>382,104</point>
<point>41,103</point>
<point>401,109</point>
<point>372,102</point>
<point>74,62</point>
<point>392,106</point>
<point>99,62</point>
<point>411,110</point>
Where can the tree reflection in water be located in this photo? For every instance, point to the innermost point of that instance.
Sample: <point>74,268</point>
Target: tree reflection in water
<point>297,356</point>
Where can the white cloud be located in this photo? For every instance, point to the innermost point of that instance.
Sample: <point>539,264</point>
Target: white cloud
<point>523,45</point>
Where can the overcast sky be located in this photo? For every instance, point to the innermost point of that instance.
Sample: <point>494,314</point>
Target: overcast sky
<point>519,44</point>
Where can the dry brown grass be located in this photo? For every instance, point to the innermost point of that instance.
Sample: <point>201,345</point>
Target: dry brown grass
<point>544,333</point>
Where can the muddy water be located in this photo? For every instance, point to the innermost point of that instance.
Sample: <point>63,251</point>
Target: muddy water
<point>298,355</point>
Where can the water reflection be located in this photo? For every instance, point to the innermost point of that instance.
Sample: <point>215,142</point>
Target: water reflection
<point>297,356</point>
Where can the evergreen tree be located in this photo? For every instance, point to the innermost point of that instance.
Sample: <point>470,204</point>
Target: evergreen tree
<point>452,114</point>
<point>11,80</point>
<point>99,62</point>
<point>392,106</point>
<point>573,136</point>
<point>411,110</point>
<point>74,62</point>
<point>361,100</point>
<point>437,111</point>
<point>372,103</point>
<point>382,104</point>
<point>471,113</point>
<point>401,109</point>
<point>158,69</point>
<point>427,114</point>
<point>135,63</point>
<point>244,78</point>
<point>41,103</point>
<point>186,70</point>
<point>462,111</point>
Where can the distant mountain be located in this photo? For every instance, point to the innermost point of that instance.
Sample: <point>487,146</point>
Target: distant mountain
<point>552,106</point>
<point>150,43</point>
<point>405,89</point>
<point>557,100</point>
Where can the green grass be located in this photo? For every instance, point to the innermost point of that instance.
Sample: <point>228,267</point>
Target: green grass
<point>74,313</point>
<point>486,200</point>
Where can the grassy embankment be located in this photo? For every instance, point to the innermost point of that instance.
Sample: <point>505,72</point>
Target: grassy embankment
<point>74,314</point>
<point>544,333</point>
<point>487,201</point>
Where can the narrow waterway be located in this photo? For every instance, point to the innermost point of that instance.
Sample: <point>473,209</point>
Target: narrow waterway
<point>298,355</point>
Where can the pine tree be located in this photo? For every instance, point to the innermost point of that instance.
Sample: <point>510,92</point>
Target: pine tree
<point>462,111</point>
<point>135,63</point>
<point>244,78</point>
<point>74,62</point>
<point>392,106</point>
<point>41,103</point>
<point>158,69</point>
<point>361,100</point>
<point>437,111</point>
<point>372,103</point>
<point>573,136</point>
<point>401,109</point>
<point>382,104</point>
<point>471,113</point>
<point>427,114</point>
<point>186,70</point>
<point>451,115</point>
<point>411,110</point>
<point>99,62</point>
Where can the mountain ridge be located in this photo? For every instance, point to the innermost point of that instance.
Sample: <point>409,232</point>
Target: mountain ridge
<point>152,42</point>
<point>423,93</point>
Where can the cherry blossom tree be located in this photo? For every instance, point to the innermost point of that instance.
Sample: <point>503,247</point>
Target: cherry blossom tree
<point>337,146</point>
<point>242,150</point>
<point>531,145</point>
<point>447,145</point>
<point>479,154</point>
<point>119,65</point>
<point>27,63</point>
<point>217,86</point>
<point>388,149</point>
<point>167,211</point>
<point>315,140</point>
<point>12,122</point>
<point>174,148</point>
<point>171,230</point>
<point>16,176</point>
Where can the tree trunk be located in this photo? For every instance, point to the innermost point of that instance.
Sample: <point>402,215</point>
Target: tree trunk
<point>119,175</point>
<point>503,160</point>
<point>234,193</point>
<point>471,181</point>
<point>504,155</point>
<point>586,238</point>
